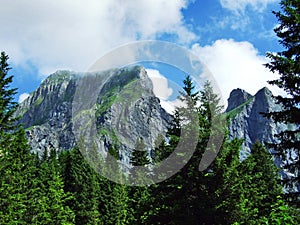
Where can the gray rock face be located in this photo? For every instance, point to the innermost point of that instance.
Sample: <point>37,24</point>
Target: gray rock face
<point>46,113</point>
<point>247,122</point>
<point>120,102</point>
<point>236,98</point>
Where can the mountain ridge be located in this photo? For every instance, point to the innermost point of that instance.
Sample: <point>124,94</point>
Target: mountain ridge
<point>247,121</point>
<point>48,113</point>
<point>65,101</point>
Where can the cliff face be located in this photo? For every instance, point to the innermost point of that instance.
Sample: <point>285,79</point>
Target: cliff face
<point>120,102</point>
<point>246,120</point>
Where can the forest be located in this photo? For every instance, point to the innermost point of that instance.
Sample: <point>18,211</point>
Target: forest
<point>62,188</point>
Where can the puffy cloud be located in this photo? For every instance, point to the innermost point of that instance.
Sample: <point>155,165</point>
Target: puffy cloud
<point>22,97</point>
<point>163,91</point>
<point>239,6</point>
<point>160,84</point>
<point>74,34</point>
<point>236,65</point>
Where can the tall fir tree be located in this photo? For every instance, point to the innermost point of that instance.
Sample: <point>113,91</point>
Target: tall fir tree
<point>117,209</point>
<point>52,191</point>
<point>253,187</point>
<point>17,181</point>
<point>83,183</point>
<point>7,104</point>
<point>23,197</point>
<point>140,197</point>
<point>287,64</point>
<point>173,196</point>
<point>222,183</point>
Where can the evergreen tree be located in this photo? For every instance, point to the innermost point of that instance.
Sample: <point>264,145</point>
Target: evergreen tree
<point>223,185</point>
<point>22,193</point>
<point>139,156</point>
<point>117,208</point>
<point>263,186</point>
<point>53,194</point>
<point>83,182</point>
<point>258,187</point>
<point>7,104</point>
<point>140,197</point>
<point>173,197</point>
<point>17,183</point>
<point>189,95</point>
<point>287,64</point>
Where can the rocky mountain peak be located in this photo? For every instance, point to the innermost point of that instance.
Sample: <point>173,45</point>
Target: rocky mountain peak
<point>236,98</point>
<point>247,121</point>
<point>121,101</point>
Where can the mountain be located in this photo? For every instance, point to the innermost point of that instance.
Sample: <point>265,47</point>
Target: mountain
<point>113,107</point>
<point>247,123</point>
<point>118,106</point>
<point>246,120</point>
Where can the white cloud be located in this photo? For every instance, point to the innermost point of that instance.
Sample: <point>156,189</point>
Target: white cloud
<point>170,106</point>
<point>163,91</point>
<point>239,6</point>
<point>236,65</point>
<point>74,34</point>
<point>160,84</point>
<point>22,97</point>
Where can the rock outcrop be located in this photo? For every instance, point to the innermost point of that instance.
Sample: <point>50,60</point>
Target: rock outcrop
<point>114,106</point>
<point>246,119</point>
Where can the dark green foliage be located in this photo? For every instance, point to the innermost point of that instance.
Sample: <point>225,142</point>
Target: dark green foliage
<point>139,155</point>
<point>189,95</point>
<point>7,105</point>
<point>18,185</point>
<point>26,195</point>
<point>221,184</point>
<point>83,183</point>
<point>140,196</point>
<point>116,208</point>
<point>55,209</point>
<point>250,188</point>
<point>287,64</point>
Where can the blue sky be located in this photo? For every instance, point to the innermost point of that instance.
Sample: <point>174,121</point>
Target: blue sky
<point>230,37</point>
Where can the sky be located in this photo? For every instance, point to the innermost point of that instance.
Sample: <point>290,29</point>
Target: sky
<point>230,37</point>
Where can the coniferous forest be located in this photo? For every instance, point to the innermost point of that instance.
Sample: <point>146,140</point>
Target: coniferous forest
<point>62,188</point>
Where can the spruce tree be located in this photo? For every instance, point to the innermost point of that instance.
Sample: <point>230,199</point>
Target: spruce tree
<point>287,64</point>
<point>172,197</point>
<point>7,104</point>
<point>18,183</point>
<point>116,208</point>
<point>140,197</point>
<point>260,187</point>
<point>83,183</point>
<point>24,197</point>
<point>52,191</point>
<point>139,156</point>
<point>223,185</point>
